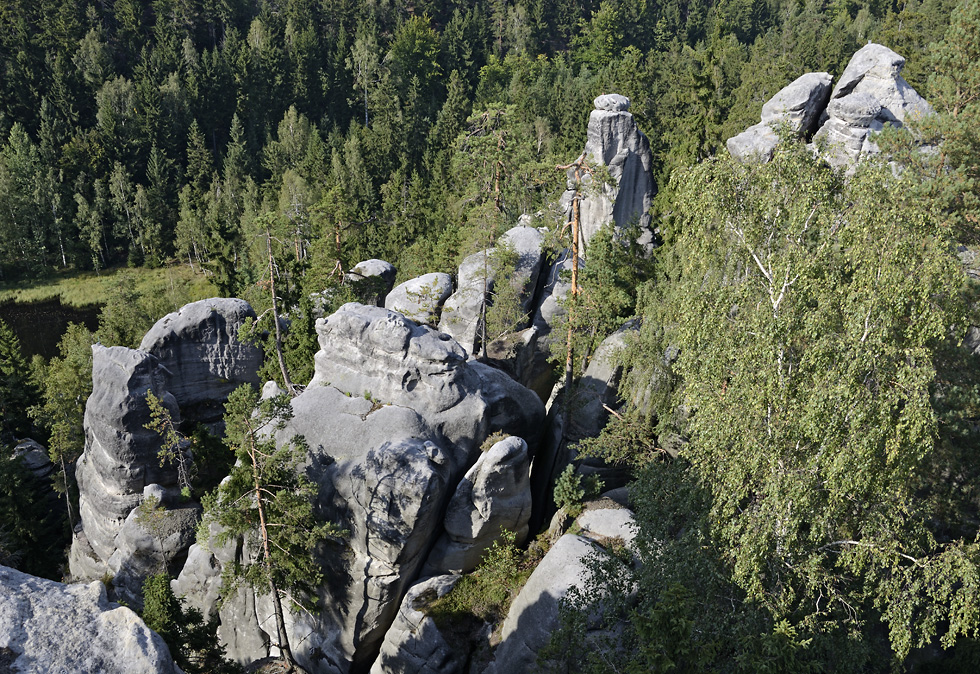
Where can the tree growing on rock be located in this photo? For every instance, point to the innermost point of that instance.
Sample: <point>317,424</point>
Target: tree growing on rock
<point>268,500</point>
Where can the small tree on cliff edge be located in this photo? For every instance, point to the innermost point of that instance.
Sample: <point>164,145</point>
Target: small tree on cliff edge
<point>267,500</point>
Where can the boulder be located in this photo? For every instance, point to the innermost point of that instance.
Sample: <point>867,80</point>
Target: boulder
<point>420,299</point>
<point>50,627</point>
<point>844,137</point>
<point>797,107</point>
<point>756,143</point>
<point>875,70</point>
<point>414,644</point>
<point>34,457</point>
<point>373,280</point>
<point>614,141</point>
<point>202,359</point>
<point>799,104</point>
<point>494,495</point>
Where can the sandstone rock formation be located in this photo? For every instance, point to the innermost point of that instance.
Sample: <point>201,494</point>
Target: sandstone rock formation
<point>494,495</point>
<point>533,616</point>
<point>869,94</point>
<point>394,416</point>
<point>201,356</point>
<point>414,644</point>
<point>614,141</point>
<point>373,279</point>
<point>420,299</point>
<point>120,457</point>
<point>462,316</point>
<point>50,627</point>
<point>797,107</point>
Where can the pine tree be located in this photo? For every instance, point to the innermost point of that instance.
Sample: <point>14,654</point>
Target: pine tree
<point>267,499</point>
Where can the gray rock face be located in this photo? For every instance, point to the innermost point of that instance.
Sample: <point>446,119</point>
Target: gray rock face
<point>799,103</point>
<point>875,70</point>
<point>141,552</point>
<point>869,94</point>
<point>377,277</point>
<point>50,627</point>
<point>534,614</point>
<point>414,644</point>
<point>845,135</point>
<point>494,495</point>
<point>756,143</point>
<point>612,103</point>
<point>463,312</point>
<point>420,299</point>
<point>202,357</point>
<point>120,456</point>
<point>554,289</point>
<point>797,106</point>
<point>385,464</point>
<point>615,141</point>
<point>34,457</point>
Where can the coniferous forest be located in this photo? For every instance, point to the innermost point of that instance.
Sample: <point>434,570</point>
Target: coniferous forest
<point>801,403</point>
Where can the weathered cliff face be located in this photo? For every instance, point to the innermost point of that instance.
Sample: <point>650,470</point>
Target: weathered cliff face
<point>869,95</point>
<point>120,457</point>
<point>394,417</point>
<point>202,359</point>
<point>50,627</point>
<point>614,141</point>
<point>191,360</point>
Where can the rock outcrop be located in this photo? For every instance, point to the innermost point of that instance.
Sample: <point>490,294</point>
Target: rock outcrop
<point>534,614</point>
<point>50,627</point>
<point>797,107</point>
<point>420,299</point>
<point>869,95</point>
<point>373,280</point>
<point>394,416</point>
<point>414,644</point>
<point>462,316</point>
<point>494,495</point>
<point>614,141</point>
<point>120,457</point>
<point>202,359</point>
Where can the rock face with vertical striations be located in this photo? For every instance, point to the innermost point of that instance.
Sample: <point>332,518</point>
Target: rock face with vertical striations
<point>120,457</point>
<point>414,644</point>
<point>50,627</point>
<point>614,141</point>
<point>202,358</point>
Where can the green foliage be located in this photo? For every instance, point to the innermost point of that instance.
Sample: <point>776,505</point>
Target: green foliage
<point>16,390</point>
<point>486,593</point>
<point>569,491</point>
<point>175,444</point>
<point>824,396</point>
<point>267,500</point>
<point>32,535</point>
<point>192,640</point>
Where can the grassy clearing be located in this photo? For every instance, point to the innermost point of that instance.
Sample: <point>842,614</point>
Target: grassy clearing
<point>80,289</point>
